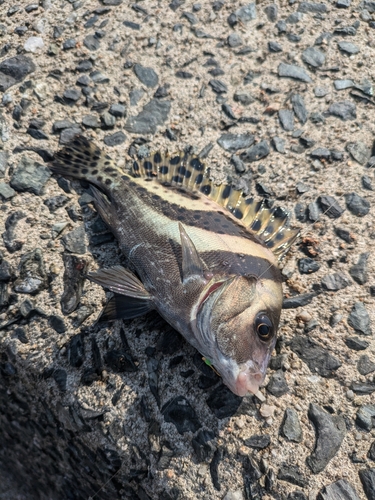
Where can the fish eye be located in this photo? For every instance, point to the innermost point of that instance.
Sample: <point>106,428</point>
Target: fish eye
<point>264,327</point>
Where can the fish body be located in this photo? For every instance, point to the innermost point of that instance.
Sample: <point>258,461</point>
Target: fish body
<point>206,257</point>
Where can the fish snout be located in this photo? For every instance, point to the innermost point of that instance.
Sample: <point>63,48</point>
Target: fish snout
<point>248,382</point>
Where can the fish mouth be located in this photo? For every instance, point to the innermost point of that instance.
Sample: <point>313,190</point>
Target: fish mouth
<point>248,382</point>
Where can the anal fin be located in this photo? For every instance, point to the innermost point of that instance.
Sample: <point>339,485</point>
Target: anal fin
<point>122,307</point>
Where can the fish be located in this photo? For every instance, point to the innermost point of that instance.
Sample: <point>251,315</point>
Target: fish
<point>205,256</point>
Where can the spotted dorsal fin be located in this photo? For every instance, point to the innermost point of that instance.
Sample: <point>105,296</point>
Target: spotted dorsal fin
<point>189,173</point>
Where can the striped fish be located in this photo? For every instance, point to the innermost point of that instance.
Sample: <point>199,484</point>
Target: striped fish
<point>206,256</point>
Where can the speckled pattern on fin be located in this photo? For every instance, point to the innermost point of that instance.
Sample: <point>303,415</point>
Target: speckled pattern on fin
<point>189,173</point>
<point>81,159</point>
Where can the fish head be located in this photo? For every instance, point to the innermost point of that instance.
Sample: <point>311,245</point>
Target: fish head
<point>238,322</point>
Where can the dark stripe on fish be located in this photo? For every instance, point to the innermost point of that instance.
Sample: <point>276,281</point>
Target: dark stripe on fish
<point>240,264</point>
<point>218,221</point>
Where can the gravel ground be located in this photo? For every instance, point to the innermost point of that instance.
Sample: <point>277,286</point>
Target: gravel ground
<point>279,100</point>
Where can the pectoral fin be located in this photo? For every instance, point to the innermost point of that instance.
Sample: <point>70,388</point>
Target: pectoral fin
<point>121,281</point>
<point>192,265</point>
<point>121,307</point>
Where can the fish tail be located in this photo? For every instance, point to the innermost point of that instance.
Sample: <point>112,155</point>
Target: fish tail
<point>82,159</point>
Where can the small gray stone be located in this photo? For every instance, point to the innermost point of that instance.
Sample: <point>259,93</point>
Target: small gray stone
<point>367,183</point>
<point>297,495</point>
<point>321,91</point>
<point>6,192</point>
<point>234,142</point>
<point>359,271</point>
<point>291,427</point>
<point>56,202</point>
<point>281,26</point>
<point>71,96</point>
<point>218,86</point>
<point>179,412</point>
<point>74,277</point>
<point>91,42</point>
<point>367,477</point>
<point>362,388</point>
<point>321,154</point>
<point>294,18</point>
<point>295,72</point>
<point>75,241</point>
<point>308,266</point>
<point>190,17</point>
<point>318,359</point>
<point>359,319</point>
<point>146,75</point>
<point>91,121</point>
<point>33,276</point>
<point>341,489</point>
<point>334,282</point>
<point>277,386</point>
<point>357,205</point>
<point>365,418</point>
<point>346,110</point>
<point>3,162</point>
<point>234,40</point>
<point>312,8</point>
<point>107,120</point>
<point>68,134</point>
<point>256,152</point>
<point>115,139</point>
<point>356,343</point>
<point>57,323</point>
<point>330,207</point>
<point>343,4</point>
<point>258,442</point>
<point>153,114</point>
<point>286,117</point>
<point>359,152</point>
<point>313,211</point>
<point>238,164</point>
<point>60,125</point>
<point>271,12</point>
<point>278,144</point>
<point>244,98</point>
<point>343,84</point>
<point>135,96</point>
<point>369,5</point>
<point>292,474</point>
<point>274,46</point>
<point>30,176</point>
<point>14,70</point>
<point>365,365</point>
<point>330,432</point>
<point>118,110</point>
<point>313,57</point>
<point>348,48</point>
<point>299,108</point>
<point>246,13</point>
<point>98,77</point>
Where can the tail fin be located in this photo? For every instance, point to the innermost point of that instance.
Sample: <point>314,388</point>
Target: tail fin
<point>81,159</point>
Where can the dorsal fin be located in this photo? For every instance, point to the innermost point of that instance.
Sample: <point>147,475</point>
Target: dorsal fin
<point>189,172</point>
